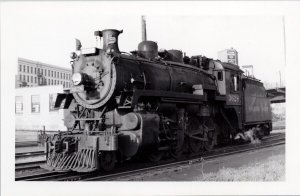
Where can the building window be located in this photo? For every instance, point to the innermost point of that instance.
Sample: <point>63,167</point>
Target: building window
<point>20,67</point>
<point>34,79</point>
<point>35,70</point>
<point>51,73</point>
<point>27,78</point>
<point>35,103</point>
<point>31,79</point>
<point>27,69</point>
<point>19,105</point>
<point>51,82</point>
<point>24,78</point>
<point>48,72</point>
<point>31,70</point>
<point>38,70</point>
<point>24,68</point>
<point>20,77</point>
<point>52,99</point>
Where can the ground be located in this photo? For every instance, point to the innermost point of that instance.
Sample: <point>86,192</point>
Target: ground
<point>262,165</point>
<point>271,169</point>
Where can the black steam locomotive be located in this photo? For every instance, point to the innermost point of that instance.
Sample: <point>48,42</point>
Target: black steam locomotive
<point>150,103</point>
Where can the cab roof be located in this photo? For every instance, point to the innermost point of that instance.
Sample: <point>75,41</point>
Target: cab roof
<point>231,66</point>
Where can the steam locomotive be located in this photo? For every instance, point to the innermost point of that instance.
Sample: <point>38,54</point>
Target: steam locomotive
<point>150,103</point>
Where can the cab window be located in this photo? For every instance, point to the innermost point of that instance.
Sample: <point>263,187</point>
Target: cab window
<point>235,83</point>
<point>220,75</point>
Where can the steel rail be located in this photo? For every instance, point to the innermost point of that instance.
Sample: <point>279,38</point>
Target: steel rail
<point>26,144</point>
<point>29,154</point>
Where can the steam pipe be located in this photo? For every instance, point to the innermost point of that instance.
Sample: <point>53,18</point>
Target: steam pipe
<point>144,30</point>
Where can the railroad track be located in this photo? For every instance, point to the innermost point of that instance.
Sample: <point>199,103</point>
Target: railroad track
<point>28,165</point>
<point>269,141</point>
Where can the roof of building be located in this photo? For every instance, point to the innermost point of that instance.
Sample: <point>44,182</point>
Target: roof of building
<point>43,64</point>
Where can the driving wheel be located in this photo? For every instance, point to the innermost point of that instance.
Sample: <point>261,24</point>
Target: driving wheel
<point>193,128</point>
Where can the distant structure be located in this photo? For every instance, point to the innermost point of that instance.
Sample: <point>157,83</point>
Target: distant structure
<point>229,56</point>
<point>33,73</point>
<point>248,70</point>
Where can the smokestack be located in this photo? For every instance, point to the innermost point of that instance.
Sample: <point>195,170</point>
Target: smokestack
<point>144,31</point>
<point>110,39</point>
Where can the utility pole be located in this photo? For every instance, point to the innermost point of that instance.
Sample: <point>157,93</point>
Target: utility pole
<point>279,79</point>
<point>284,40</point>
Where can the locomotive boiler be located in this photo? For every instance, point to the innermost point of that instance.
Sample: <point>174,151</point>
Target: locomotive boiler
<point>149,104</point>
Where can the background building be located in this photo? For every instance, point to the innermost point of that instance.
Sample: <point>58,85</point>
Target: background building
<point>228,56</point>
<point>34,109</point>
<point>34,73</point>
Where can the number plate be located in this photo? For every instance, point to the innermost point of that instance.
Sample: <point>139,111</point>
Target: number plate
<point>77,89</point>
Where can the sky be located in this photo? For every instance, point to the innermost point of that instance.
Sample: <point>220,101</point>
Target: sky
<point>47,34</point>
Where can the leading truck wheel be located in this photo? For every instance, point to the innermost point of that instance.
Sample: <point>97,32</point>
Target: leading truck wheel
<point>107,160</point>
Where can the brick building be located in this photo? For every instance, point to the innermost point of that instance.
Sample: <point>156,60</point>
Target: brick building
<point>34,73</point>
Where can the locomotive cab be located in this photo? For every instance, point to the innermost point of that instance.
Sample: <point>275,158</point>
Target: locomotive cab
<point>219,72</point>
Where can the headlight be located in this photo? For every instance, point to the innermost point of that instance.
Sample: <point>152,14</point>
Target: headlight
<point>76,78</point>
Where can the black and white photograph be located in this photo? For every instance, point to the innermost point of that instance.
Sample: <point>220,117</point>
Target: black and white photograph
<point>149,98</point>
